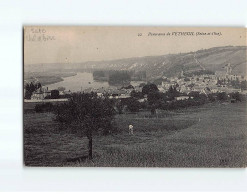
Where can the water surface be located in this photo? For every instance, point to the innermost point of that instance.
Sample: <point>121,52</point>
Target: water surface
<point>80,81</point>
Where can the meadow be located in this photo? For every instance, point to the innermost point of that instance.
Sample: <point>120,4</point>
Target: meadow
<point>212,135</point>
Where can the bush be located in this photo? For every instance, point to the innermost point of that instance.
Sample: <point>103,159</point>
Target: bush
<point>119,107</point>
<point>136,94</point>
<point>180,104</point>
<point>211,98</point>
<point>172,93</point>
<point>133,105</point>
<point>54,94</point>
<point>154,97</point>
<point>44,107</point>
<point>194,94</point>
<point>149,88</point>
<point>222,96</point>
<point>30,88</point>
<point>237,96</point>
<point>88,113</point>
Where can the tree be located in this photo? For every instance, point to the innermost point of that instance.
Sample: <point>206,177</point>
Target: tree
<point>44,107</point>
<point>222,96</point>
<point>236,96</point>
<point>30,88</point>
<point>156,100</point>
<point>154,97</point>
<point>54,94</point>
<point>194,94</point>
<point>98,73</point>
<point>211,97</point>
<point>149,88</point>
<point>119,107</point>
<point>243,85</point>
<point>88,113</point>
<point>136,94</point>
<point>119,77</point>
<point>152,109</point>
<point>172,92</point>
<point>133,105</point>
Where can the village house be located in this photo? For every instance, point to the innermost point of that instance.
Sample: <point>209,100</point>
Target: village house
<point>160,88</point>
<point>182,98</point>
<point>41,93</point>
<point>142,100</point>
<point>205,91</point>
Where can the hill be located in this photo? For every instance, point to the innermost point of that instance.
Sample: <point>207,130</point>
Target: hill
<point>212,59</point>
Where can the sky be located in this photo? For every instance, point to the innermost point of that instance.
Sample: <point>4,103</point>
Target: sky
<point>75,44</point>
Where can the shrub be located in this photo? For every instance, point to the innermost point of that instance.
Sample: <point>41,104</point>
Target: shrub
<point>133,105</point>
<point>54,94</point>
<point>44,107</point>
<point>222,96</point>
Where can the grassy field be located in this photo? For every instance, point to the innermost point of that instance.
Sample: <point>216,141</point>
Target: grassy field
<point>213,135</point>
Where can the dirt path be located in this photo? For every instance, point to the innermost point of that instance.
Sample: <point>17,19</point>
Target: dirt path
<point>198,62</point>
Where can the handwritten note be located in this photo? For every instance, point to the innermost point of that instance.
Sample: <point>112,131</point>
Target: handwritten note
<point>39,35</point>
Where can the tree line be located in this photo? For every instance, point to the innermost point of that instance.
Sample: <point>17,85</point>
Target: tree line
<point>116,77</point>
<point>167,101</point>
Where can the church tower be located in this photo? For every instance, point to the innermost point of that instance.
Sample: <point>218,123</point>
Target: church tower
<point>228,69</point>
<point>182,73</point>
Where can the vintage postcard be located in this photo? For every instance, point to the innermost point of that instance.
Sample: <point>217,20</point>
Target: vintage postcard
<point>134,96</point>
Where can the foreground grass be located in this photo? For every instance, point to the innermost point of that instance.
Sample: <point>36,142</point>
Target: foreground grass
<point>208,136</point>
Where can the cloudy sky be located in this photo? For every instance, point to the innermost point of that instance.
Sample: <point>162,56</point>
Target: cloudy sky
<point>64,44</point>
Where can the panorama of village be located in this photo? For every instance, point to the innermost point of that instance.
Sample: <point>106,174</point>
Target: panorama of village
<point>203,82</point>
<point>116,116</point>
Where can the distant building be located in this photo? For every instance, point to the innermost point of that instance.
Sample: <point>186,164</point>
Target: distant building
<point>41,93</point>
<point>37,96</point>
<point>228,69</point>
<point>100,94</point>
<point>220,74</point>
<point>142,100</point>
<point>182,98</point>
<point>160,88</point>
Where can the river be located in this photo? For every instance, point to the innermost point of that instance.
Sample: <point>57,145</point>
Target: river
<point>82,81</point>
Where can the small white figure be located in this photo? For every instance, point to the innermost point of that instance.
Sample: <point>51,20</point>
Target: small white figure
<point>131,130</point>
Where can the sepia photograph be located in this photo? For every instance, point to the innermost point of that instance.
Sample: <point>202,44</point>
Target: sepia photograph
<point>128,96</point>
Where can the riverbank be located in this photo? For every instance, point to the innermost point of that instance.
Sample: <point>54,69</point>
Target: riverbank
<point>72,81</point>
<point>47,78</point>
